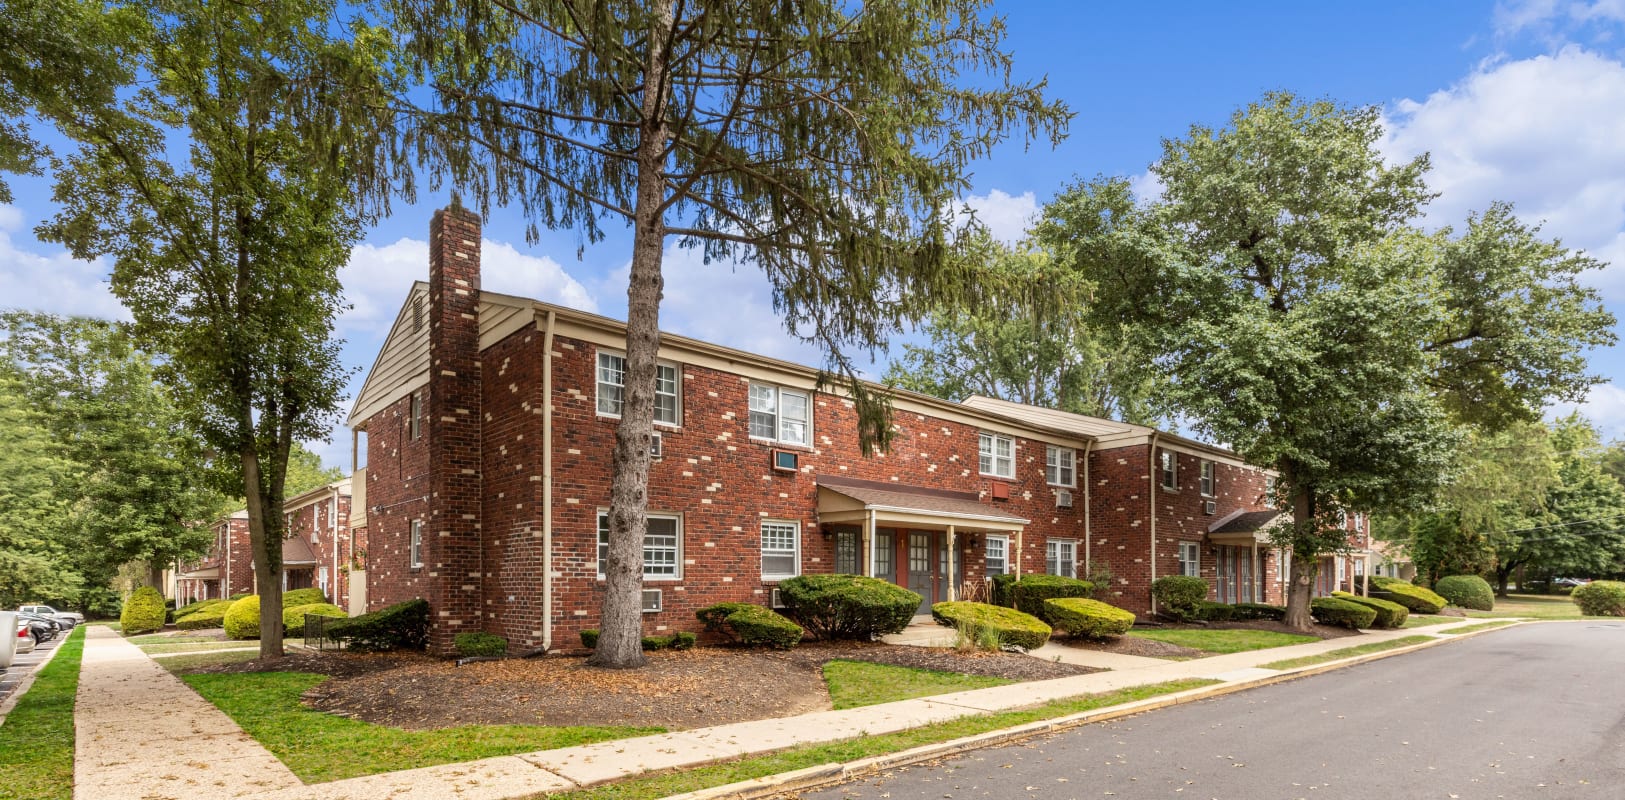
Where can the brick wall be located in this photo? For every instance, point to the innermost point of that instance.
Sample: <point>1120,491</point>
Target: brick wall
<point>314,523</point>
<point>397,494</point>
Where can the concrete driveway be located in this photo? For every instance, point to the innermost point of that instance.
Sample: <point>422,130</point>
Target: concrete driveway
<point>1535,711</point>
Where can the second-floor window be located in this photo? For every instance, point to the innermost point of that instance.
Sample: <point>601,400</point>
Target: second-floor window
<point>780,414</point>
<point>612,389</point>
<point>1170,470</point>
<point>1060,467</point>
<point>996,455</point>
<point>1210,481</point>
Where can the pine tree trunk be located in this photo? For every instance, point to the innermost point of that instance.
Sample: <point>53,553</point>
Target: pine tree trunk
<point>1305,565</point>
<point>265,541</point>
<point>620,636</point>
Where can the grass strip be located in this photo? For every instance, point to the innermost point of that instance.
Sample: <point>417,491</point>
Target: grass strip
<point>795,758</point>
<point>1238,640</point>
<point>192,647</point>
<point>1424,620</point>
<point>36,743</point>
<point>1482,626</point>
<point>321,747</point>
<point>1347,652</point>
<point>179,664</point>
<point>163,638</point>
<point>853,684</point>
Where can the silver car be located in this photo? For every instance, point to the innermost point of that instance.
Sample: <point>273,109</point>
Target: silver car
<point>25,637</point>
<point>69,619</point>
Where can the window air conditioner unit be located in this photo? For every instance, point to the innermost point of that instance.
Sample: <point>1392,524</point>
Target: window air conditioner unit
<point>656,448</point>
<point>774,600</point>
<point>1210,507</point>
<point>786,461</point>
<point>1063,498</point>
<point>651,601</point>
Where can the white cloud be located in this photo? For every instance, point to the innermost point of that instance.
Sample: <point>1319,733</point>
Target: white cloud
<point>1604,406</point>
<point>53,281</point>
<point>1006,216</point>
<point>1147,187</point>
<point>1553,18</point>
<point>1544,133</point>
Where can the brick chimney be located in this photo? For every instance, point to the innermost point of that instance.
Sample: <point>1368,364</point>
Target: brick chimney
<point>453,546</point>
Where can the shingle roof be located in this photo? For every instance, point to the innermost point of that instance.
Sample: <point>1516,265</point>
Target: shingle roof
<point>1248,522</point>
<point>1050,418</point>
<point>938,502</point>
<point>296,552</point>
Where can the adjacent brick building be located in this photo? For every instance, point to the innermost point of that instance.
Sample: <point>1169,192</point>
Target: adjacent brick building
<point>316,553</point>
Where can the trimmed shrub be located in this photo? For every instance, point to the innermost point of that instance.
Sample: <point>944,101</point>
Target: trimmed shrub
<point>403,626</point>
<point>1215,612</point>
<point>218,607</point>
<point>1466,591</point>
<point>752,625</point>
<point>234,598</point>
<point>302,597</point>
<point>144,612</point>
<point>1257,611</point>
<point>1389,613</point>
<point>1600,599</point>
<point>1001,590</point>
<point>1031,591</point>
<point>243,618</point>
<point>848,606</point>
<point>479,643</point>
<point>208,618</point>
<point>1013,627</point>
<point>1341,612</point>
<point>681,640</point>
<point>1091,619</point>
<point>1179,595</point>
<point>1415,598</point>
<point>293,619</point>
<point>589,638</point>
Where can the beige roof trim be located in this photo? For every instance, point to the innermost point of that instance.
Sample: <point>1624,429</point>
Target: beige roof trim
<point>340,487</point>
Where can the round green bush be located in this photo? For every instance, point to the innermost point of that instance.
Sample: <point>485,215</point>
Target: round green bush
<point>293,619</point>
<point>1257,611</point>
<point>1030,593</point>
<point>1601,599</point>
<point>848,606</point>
<point>1466,591</point>
<point>1389,614</point>
<point>1011,626</point>
<point>1090,619</point>
<point>1415,598</point>
<point>144,612</point>
<point>243,618</point>
<point>479,643</point>
<point>218,606</point>
<point>1341,612</point>
<point>1179,595</point>
<point>302,597</point>
<point>752,625</point>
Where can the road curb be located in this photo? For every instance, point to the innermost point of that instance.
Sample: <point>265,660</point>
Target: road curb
<point>824,774</point>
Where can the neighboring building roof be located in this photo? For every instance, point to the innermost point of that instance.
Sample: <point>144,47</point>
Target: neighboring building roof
<point>296,552</point>
<point>1247,522</point>
<point>881,496</point>
<point>1093,427</point>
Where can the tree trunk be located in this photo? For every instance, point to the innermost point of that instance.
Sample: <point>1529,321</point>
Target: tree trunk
<point>620,636</point>
<point>265,542</point>
<point>1305,564</point>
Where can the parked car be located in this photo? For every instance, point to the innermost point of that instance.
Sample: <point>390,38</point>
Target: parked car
<point>72,618</point>
<point>45,628</point>
<point>1570,582</point>
<point>26,640</point>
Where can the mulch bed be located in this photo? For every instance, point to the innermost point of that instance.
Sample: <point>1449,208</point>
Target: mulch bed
<point>677,690</point>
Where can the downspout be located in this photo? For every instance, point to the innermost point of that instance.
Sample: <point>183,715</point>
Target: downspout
<point>547,484</point>
<point>1088,534</point>
<point>1151,492</point>
<point>225,588</point>
<point>333,525</point>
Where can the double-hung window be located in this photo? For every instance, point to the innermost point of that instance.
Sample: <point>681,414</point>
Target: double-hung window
<point>780,414</point>
<point>1190,559</point>
<point>612,389</point>
<point>997,455</point>
<point>1061,557</point>
<point>1060,466</point>
<point>417,543</point>
<point>414,412</point>
<point>998,555</point>
<point>662,546</point>
<point>1210,481</point>
<point>1170,469</point>
<point>781,551</point>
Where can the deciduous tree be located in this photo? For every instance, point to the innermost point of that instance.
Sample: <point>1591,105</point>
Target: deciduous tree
<point>822,142</point>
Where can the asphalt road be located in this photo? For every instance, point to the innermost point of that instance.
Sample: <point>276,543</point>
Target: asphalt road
<point>1536,711</point>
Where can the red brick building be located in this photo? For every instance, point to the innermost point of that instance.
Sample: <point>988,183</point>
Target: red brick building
<point>317,552</point>
<point>489,423</point>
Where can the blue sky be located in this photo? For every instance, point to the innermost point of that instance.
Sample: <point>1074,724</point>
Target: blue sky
<point>1517,101</point>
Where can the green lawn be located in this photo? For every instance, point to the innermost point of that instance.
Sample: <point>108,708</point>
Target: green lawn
<point>321,747</point>
<point>157,649</point>
<point>161,638</point>
<point>1347,652</point>
<point>1535,606</point>
<point>1482,626</point>
<point>1223,641</point>
<point>182,663</point>
<point>36,743</point>
<point>860,683</point>
<point>1424,620</point>
<point>690,780</point>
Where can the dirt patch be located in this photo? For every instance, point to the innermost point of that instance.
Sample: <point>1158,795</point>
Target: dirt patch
<point>677,690</point>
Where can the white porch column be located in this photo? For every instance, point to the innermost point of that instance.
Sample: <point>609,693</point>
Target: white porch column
<point>869,544</point>
<point>953,559</point>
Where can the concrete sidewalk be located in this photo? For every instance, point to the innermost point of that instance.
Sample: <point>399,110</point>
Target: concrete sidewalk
<point>145,734</point>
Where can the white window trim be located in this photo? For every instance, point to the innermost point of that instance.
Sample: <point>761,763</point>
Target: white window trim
<point>1052,460</point>
<point>415,544</point>
<point>1069,544</point>
<point>993,454</point>
<point>414,411</point>
<point>1208,478</point>
<point>778,414</point>
<point>795,548</point>
<point>1005,540</point>
<point>1196,551</point>
<point>1168,464</point>
<point>598,564</point>
<point>597,383</point>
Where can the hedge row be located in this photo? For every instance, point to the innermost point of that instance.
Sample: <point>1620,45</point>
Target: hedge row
<point>1341,612</point>
<point>1415,598</point>
<point>1013,628</point>
<point>1030,594</point>
<point>1389,614</point>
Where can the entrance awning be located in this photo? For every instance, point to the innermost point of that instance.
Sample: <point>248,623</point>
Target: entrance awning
<point>894,505</point>
<point>296,552</point>
<point>1243,528</point>
<point>210,574</point>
